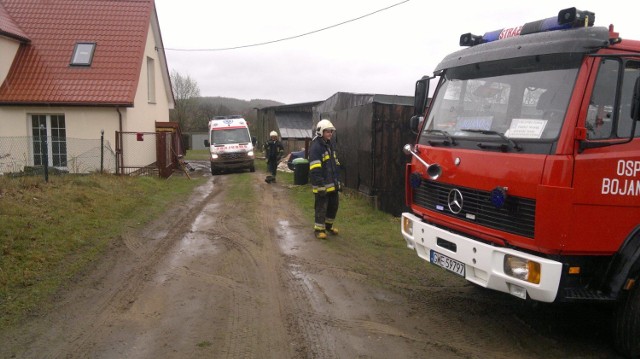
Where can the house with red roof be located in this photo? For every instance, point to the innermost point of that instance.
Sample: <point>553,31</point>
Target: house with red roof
<point>71,69</point>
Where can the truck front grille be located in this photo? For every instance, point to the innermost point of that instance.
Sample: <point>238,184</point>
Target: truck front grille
<point>517,216</point>
<point>234,156</point>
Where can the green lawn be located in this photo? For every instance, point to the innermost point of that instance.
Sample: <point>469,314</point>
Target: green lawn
<point>51,230</point>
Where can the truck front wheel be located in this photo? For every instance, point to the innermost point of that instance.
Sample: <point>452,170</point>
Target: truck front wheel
<point>627,323</point>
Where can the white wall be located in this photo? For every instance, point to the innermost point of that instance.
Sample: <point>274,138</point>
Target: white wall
<point>143,116</point>
<point>83,125</point>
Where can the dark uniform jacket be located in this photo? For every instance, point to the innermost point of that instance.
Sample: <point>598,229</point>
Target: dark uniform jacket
<point>273,150</point>
<point>323,166</point>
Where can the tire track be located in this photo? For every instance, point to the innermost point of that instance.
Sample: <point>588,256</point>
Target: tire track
<point>235,270</point>
<point>311,337</point>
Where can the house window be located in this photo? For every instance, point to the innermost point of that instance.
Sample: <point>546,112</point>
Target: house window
<point>151,80</point>
<point>83,54</point>
<point>53,129</point>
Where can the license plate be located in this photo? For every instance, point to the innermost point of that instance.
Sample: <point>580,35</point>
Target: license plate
<point>447,263</point>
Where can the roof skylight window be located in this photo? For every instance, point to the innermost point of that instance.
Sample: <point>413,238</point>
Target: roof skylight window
<point>83,54</point>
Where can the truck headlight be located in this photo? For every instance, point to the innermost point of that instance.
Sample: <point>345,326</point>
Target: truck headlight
<point>407,225</point>
<point>214,156</point>
<point>250,153</point>
<point>522,269</point>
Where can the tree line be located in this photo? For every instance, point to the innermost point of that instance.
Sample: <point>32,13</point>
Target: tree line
<point>193,111</point>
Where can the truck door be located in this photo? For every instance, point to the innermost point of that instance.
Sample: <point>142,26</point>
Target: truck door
<point>607,176</point>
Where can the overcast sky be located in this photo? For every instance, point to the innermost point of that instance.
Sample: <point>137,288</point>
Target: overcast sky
<point>384,53</point>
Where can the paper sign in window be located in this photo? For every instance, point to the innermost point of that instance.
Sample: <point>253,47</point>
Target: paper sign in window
<point>526,128</point>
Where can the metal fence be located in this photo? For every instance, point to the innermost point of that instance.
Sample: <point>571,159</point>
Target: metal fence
<point>28,155</point>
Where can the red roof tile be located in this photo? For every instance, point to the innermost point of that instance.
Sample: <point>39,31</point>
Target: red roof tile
<point>9,28</point>
<point>41,72</point>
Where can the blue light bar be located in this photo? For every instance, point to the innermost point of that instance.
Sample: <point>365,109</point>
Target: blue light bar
<point>566,19</point>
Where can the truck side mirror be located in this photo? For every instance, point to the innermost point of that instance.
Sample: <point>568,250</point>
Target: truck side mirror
<point>414,123</point>
<point>206,143</point>
<point>420,96</point>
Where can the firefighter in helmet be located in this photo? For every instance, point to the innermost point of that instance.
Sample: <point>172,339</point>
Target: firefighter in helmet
<point>325,179</point>
<point>273,151</point>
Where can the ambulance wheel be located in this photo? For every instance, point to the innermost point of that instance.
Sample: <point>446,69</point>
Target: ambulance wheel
<point>627,323</point>
<point>214,171</point>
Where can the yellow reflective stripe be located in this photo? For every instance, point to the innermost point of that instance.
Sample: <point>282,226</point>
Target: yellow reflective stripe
<point>315,165</point>
<point>318,227</point>
<point>325,158</point>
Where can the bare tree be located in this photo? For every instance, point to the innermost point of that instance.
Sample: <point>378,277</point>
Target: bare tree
<point>185,92</point>
<point>206,111</point>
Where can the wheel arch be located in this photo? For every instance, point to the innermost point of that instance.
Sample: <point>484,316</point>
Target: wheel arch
<point>625,264</point>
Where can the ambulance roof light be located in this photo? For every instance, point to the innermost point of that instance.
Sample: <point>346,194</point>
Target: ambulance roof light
<point>566,19</point>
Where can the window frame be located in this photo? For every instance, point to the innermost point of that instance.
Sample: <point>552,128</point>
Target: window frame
<point>54,127</point>
<point>614,137</point>
<point>151,80</point>
<point>76,56</point>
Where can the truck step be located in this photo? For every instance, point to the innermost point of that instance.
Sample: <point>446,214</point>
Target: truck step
<point>586,294</point>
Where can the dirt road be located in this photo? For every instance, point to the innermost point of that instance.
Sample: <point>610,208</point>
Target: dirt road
<point>216,278</point>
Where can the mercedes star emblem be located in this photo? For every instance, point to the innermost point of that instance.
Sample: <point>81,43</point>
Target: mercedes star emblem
<point>455,201</point>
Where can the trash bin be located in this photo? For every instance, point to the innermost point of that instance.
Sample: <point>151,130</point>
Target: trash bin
<point>300,171</point>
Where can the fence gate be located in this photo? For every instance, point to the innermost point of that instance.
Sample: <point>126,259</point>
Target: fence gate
<point>145,153</point>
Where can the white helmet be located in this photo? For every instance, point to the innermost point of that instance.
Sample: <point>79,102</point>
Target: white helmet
<point>324,125</point>
<point>273,134</point>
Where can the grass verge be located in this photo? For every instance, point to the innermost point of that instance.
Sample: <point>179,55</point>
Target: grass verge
<point>51,230</point>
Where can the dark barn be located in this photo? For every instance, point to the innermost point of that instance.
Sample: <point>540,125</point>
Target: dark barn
<point>292,122</point>
<point>370,133</point>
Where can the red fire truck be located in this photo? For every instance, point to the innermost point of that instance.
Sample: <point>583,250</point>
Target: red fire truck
<point>525,174</point>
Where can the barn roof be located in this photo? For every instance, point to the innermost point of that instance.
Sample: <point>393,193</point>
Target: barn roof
<point>344,100</point>
<point>294,124</point>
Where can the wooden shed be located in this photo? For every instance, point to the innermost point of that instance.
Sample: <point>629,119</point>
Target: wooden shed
<point>370,133</point>
<point>292,122</point>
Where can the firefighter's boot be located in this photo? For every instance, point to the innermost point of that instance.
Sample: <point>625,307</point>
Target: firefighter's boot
<point>332,230</point>
<point>321,234</point>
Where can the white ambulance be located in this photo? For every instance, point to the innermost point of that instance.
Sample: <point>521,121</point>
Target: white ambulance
<point>230,144</point>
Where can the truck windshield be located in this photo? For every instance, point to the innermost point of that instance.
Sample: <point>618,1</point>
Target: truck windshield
<point>522,100</point>
<point>232,135</point>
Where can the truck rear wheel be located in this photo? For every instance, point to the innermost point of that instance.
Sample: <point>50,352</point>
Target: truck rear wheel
<point>627,323</point>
